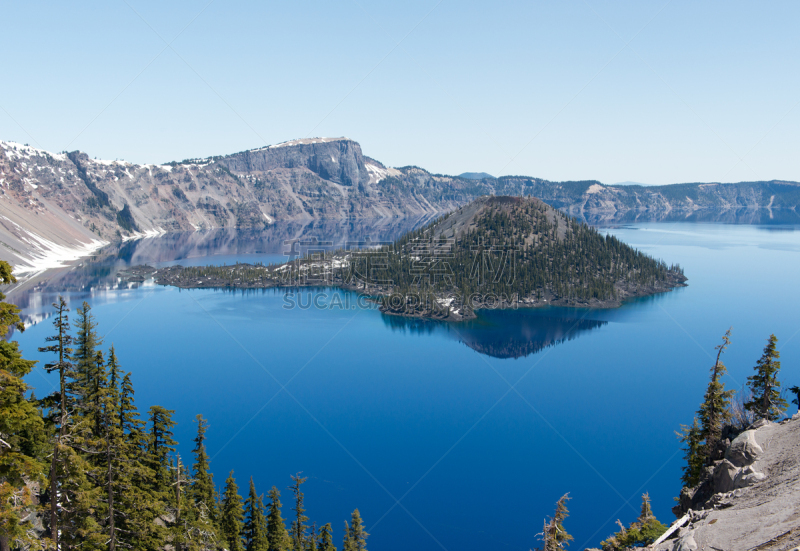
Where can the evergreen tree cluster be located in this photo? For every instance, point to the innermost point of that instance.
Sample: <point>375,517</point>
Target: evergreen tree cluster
<point>703,440</point>
<point>101,476</point>
<point>642,532</point>
<point>522,246</point>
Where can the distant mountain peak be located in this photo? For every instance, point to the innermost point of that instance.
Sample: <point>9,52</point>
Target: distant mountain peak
<point>630,183</point>
<point>475,175</point>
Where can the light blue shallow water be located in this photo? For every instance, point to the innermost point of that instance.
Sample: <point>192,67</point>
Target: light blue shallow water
<point>476,429</point>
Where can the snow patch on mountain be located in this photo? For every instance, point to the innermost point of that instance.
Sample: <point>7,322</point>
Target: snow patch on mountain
<point>44,254</point>
<point>377,173</point>
<point>16,150</point>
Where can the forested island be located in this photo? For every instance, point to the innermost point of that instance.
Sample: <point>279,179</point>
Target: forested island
<point>496,252</point>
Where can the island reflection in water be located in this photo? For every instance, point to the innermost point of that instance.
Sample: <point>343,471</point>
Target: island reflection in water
<point>495,333</point>
<point>507,333</point>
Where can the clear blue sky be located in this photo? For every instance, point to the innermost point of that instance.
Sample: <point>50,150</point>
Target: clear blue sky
<point>655,92</point>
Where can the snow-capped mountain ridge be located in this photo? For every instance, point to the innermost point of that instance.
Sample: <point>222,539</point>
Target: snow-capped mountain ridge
<point>72,201</point>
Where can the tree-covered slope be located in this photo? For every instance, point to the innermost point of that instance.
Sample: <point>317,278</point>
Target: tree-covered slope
<point>499,248</point>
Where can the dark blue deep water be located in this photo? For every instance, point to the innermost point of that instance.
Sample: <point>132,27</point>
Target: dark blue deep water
<point>456,437</point>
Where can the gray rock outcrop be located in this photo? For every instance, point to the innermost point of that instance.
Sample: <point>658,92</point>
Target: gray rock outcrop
<point>762,511</point>
<point>685,542</point>
<point>724,476</point>
<point>747,477</point>
<point>744,449</point>
<point>336,160</point>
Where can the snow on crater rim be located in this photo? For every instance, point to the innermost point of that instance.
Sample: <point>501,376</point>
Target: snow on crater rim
<point>16,150</point>
<point>301,141</point>
<point>108,163</point>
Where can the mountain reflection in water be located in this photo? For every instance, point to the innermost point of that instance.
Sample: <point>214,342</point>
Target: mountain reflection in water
<point>96,275</point>
<point>506,333</point>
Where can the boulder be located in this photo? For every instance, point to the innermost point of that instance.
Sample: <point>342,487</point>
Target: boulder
<point>744,450</point>
<point>747,477</point>
<point>685,542</point>
<point>724,475</point>
<point>694,498</point>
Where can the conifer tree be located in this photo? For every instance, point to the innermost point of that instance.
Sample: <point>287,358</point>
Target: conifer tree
<point>184,512</point>
<point>347,544</point>
<point>555,535</point>
<point>642,532</point>
<point>160,445</point>
<point>81,504</point>
<point>326,538</point>
<point>796,391</point>
<point>131,509</point>
<point>647,510</point>
<point>255,525</point>
<point>714,411</point>
<point>277,535</point>
<point>299,523</point>
<point>203,479</point>
<point>355,535</point>
<point>115,455</point>
<point>141,499</point>
<point>75,492</point>
<point>693,453</point>
<point>115,374</point>
<point>767,402</point>
<point>96,391</point>
<point>87,342</point>
<point>231,515</point>
<point>59,404</point>
<point>17,416</point>
<point>312,539</point>
<point>128,420</point>
<point>196,529</point>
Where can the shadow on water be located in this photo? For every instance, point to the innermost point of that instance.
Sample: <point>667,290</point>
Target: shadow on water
<point>506,333</point>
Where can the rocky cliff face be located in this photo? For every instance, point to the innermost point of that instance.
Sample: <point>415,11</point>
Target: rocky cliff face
<point>751,498</point>
<point>56,206</point>
<point>336,160</point>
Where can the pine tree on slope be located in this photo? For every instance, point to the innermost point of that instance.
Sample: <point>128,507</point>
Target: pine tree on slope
<point>17,416</point>
<point>277,535</point>
<point>299,527</point>
<point>714,411</point>
<point>255,526</point>
<point>767,402</point>
<point>231,515</point>
<point>326,538</point>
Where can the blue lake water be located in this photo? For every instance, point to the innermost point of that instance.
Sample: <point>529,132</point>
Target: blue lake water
<point>444,436</point>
